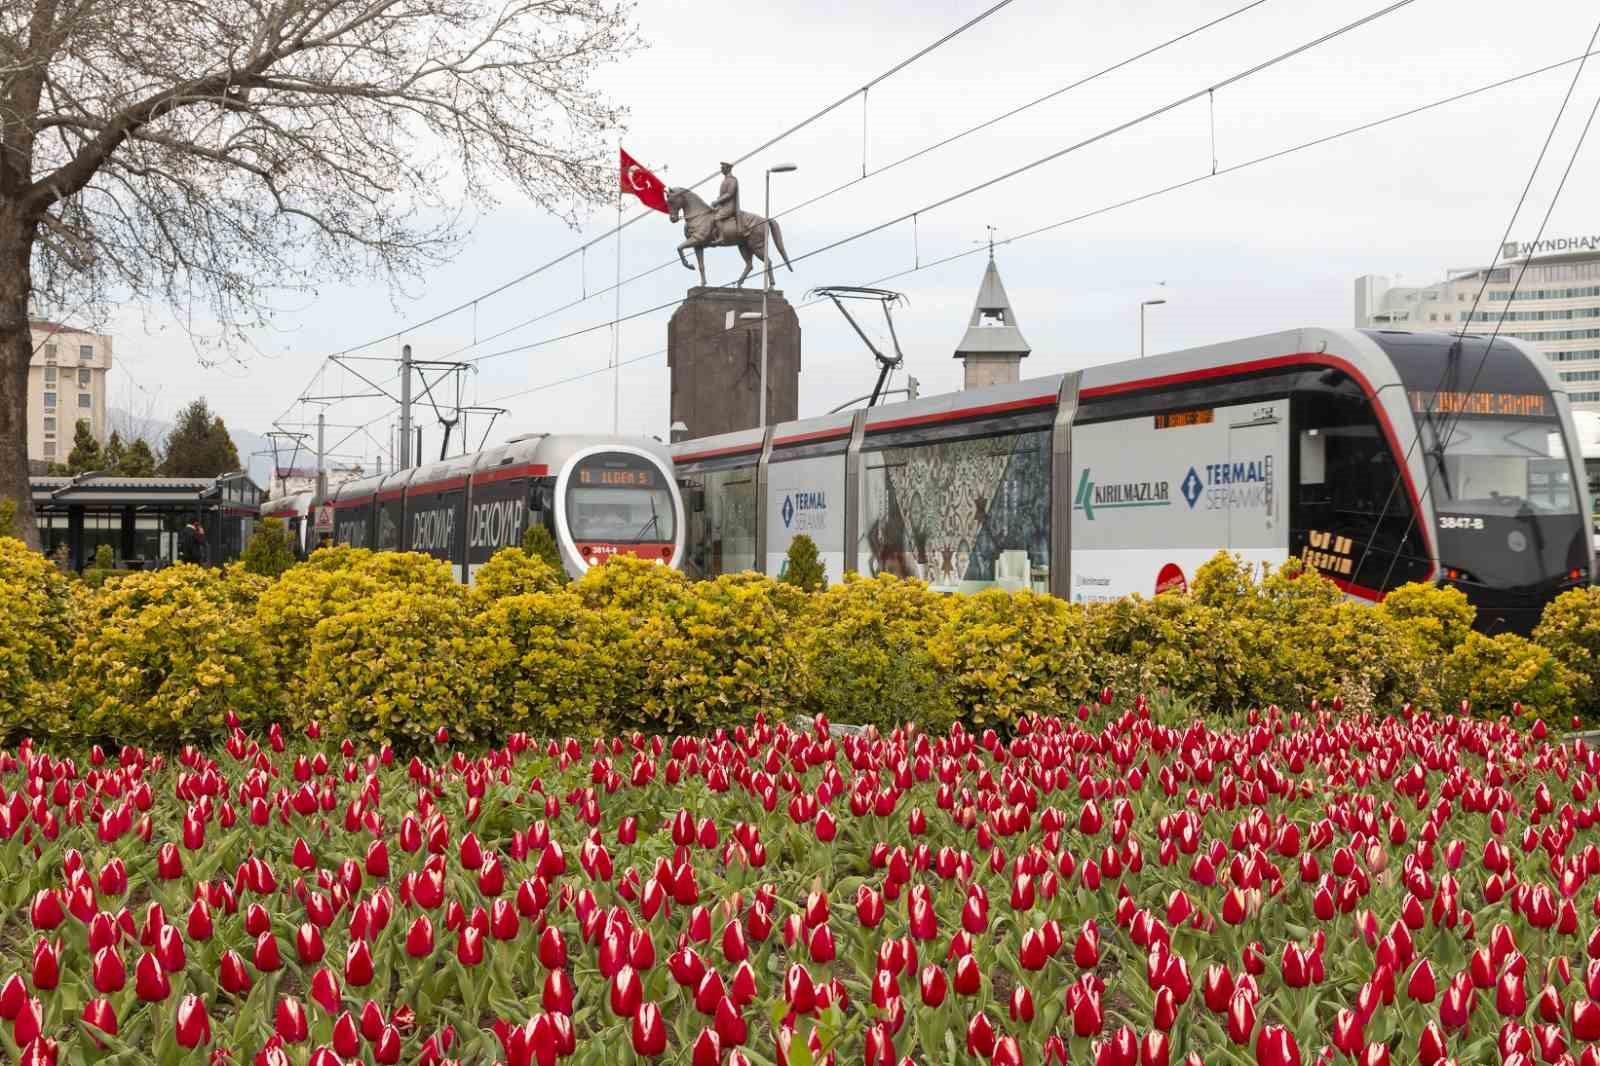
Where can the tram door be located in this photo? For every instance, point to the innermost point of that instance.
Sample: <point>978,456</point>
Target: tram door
<point>1254,483</point>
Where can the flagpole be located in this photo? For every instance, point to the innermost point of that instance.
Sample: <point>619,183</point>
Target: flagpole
<point>616,330</point>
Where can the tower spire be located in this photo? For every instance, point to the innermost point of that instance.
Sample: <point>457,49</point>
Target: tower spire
<point>992,347</point>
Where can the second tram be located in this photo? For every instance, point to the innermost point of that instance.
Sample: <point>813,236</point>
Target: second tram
<point>1377,457</point>
<point>599,496</point>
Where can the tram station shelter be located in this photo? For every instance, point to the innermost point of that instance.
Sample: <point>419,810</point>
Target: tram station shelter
<point>140,517</point>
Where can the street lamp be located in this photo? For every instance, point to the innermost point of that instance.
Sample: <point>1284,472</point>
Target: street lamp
<point>1147,303</point>
<point>766,280</point>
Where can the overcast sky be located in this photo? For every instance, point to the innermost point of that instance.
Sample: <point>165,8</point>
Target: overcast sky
<point>1270,247</point>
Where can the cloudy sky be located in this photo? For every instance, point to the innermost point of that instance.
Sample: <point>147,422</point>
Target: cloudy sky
<point>1271,246</point>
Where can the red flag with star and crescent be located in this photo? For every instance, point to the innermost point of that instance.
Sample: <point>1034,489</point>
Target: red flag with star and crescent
<point>646,186</point>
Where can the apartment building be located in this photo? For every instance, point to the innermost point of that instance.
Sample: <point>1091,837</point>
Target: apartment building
<point>66,385</point>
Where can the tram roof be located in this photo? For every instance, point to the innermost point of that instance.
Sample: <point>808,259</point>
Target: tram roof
<point>1355,350</point>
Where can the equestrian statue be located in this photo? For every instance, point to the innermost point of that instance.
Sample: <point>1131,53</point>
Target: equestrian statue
<point>720,224</point>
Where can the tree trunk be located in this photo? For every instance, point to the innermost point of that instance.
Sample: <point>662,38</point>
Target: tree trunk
<point>16,352</point>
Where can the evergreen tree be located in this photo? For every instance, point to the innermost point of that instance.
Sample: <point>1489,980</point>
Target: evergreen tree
<point>269,552</point>
<point>802,568</point>
<point>199,446</point>
<point>138,460</point>
<point>538,543</point>
<point>114,453</point>
<point>85,454</point>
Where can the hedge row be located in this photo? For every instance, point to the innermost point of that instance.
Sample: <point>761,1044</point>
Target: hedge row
<point>386,645</point>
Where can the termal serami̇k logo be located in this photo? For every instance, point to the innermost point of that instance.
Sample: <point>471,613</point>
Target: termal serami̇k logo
<point>1091,496</point>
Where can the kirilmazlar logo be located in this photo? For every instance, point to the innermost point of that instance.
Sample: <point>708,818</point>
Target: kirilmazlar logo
<point>1092,496</point>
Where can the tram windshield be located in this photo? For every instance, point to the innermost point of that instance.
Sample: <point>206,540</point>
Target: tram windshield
<point>1496,466</point>
<point>620,499</point>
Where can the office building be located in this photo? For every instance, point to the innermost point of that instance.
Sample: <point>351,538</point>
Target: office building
<point>1546,294</point>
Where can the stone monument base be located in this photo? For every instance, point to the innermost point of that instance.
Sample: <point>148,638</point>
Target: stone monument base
<point>716,370</point>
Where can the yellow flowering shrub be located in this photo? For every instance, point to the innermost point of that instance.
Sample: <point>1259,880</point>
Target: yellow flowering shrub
<point>866,646</point>
<point>36,612</point>
<point>729,651</point>
<point>1570,629</point>
<point>162,656</point>
<point>1493,673</point>
<point>399,664</point>
<point>549,666</point>
<point>512,572</point>
<point>1009,654</point>
<point>1439,617</point>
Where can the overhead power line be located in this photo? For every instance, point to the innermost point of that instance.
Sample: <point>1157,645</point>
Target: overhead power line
<point>945,201</point>
<point>613,231</point>
<point>1128,202</point>
<point>1448,428</point>
<point>879,171</point>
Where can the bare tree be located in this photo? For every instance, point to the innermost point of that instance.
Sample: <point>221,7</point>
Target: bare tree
<point>203,154</point>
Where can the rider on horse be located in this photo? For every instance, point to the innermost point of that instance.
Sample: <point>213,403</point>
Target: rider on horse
<point>726,205</point>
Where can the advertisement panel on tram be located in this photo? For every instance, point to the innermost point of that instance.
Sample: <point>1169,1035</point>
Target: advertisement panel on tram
<point>1154,497</point>
<point>807,496</point>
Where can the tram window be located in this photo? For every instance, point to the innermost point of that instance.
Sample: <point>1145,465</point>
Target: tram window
<point>1349,486</point>
<point>721,511</point>
<point>959,514</point>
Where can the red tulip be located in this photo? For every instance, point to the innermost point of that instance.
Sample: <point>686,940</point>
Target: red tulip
<point>193,1026</point>
<point>931,983</point>
<point>980,1035</point>
<point>1586,1020</point>
<point>358,968</point>
<point>232,974</point>
<point>419,938</point>
<point>100,1014</point>
<point>108,972</point>
<point>1276,1046</point>
<point>559,992</point>
<point>1422,986</point>
<point>730,1023</point>
<point>1241,1018</point>
<point>325,991</point>
<point>1086,952</point>
<point>150,980</point>
<point>626,993</point>
<point>1087,1017</point>
<point>28,1023</point>
<point>290,1022</point>
<point>707,1049</point>
<point>1430,1045</point>
<point>1154,1049</point>
<point>649,1030</point>
<point>46,965</point>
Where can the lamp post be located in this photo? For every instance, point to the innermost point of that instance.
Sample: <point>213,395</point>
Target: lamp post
<point>1147,303</point>
<point>766,278</point>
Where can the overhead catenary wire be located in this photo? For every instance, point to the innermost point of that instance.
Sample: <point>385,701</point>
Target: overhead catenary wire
<point>608,234</point>
<point>1444,432</point>
<point>944,142</point>
<point>951,198</point>
<point>1127,202</point>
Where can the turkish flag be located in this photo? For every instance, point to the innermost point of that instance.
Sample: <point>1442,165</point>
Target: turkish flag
<point>646,186</point>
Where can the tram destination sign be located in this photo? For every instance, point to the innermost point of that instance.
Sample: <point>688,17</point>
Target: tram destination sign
<point>1176,419</point>
<point>1488,404</point>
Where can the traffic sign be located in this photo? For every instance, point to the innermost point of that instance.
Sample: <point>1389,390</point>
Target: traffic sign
<point>324,522</point>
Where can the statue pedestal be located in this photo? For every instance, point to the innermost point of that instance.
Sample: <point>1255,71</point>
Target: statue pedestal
<point>716,371</point>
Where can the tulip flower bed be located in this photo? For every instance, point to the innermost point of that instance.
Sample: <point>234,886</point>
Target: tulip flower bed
<point>1304,889</point>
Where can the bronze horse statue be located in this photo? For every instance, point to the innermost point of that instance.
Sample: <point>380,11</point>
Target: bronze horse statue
<point>701,231</point>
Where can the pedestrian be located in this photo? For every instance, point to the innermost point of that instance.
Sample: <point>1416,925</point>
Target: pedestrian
<point>192,543</point>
